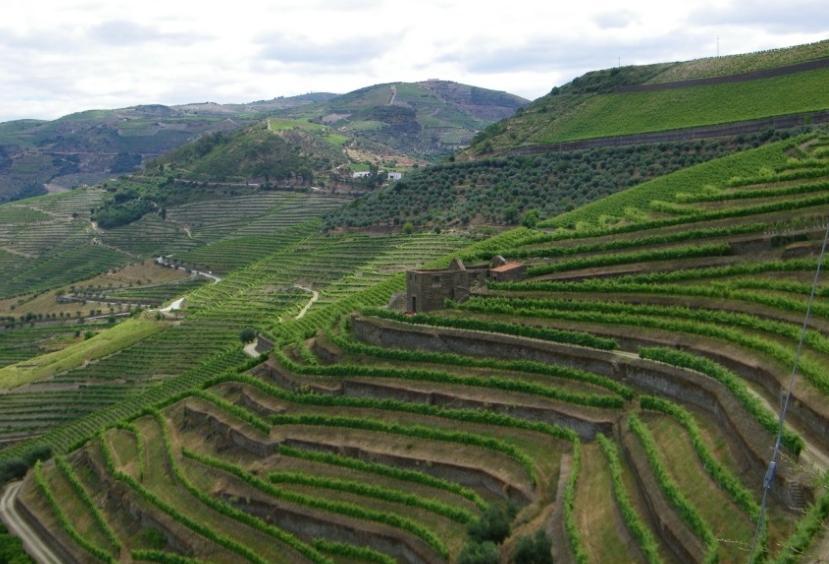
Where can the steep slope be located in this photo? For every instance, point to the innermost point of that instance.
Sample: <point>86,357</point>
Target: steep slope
<point>616,405</point>
<point>655,98</point>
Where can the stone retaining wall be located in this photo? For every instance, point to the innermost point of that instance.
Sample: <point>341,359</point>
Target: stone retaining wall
<point>682,385</point>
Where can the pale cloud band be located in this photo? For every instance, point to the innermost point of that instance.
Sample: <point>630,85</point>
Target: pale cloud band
<point>59,56</point>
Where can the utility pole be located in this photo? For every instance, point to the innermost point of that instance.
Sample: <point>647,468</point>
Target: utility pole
<point>718,46</point>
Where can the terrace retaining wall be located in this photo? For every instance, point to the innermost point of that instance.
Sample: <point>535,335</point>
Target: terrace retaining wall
<point>467,475</point>
<point>682,385</point>
<point>333,527</point>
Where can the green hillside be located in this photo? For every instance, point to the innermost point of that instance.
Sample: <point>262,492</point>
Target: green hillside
<point>503,191</point>
<point>615,401</point>
<point>594,106</point>
<point>88,147</point>
<point>616,405</point>
<point>423,120</point>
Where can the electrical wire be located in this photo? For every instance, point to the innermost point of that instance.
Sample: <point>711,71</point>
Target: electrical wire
<point>768,479</point>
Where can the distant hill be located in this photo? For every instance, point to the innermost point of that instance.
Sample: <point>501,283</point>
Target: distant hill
<point>90,146</point>
<point>421,120</point>
<point>668,96</point>
<point>388,124</point>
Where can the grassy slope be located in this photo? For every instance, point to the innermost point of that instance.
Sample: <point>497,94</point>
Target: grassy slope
<point>107,342</point>
<point>636,112</point>
<point>588,106</point>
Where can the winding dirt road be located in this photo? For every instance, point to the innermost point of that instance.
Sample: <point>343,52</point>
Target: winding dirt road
<point>314,297</point>
<point>18,526</point>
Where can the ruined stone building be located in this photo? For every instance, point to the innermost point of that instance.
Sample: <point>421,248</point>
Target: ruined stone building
<point>428,289</point>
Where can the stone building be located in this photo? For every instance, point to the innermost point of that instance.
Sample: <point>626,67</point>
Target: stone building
<point>428,289</point>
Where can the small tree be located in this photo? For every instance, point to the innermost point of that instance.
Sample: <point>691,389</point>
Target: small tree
<point>535,549</point>
<point>247,335</point>
<point>493,525</point>
<point>531,218</point>
<point>408,228</point>
<point>479,553</point>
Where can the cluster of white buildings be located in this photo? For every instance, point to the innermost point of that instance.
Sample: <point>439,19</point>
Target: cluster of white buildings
<point>393,176</point>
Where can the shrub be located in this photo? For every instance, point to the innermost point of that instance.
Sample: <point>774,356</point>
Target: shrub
<point>247,335</point>
<point>535,549</point>
<point>493,525</point>
<point>11,549</point>
<point>475,552</point>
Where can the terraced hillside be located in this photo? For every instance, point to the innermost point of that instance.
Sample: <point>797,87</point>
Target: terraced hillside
<point>619,404</point>
<point>699,96</point>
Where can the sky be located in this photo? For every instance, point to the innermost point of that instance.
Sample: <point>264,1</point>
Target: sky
<point>63,56</point>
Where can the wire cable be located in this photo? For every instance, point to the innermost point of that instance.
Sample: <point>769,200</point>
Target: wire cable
<point>768,479</point>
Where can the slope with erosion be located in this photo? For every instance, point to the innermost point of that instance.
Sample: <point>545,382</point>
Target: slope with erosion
<point>635,100</point>
<point>617,403</point>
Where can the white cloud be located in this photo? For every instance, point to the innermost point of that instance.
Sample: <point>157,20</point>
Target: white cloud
<point>60,56</point>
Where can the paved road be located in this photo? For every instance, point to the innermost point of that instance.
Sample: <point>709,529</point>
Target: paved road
<point>33,544</point>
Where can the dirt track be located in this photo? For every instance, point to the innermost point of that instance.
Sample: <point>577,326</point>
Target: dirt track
<point>33,544</point>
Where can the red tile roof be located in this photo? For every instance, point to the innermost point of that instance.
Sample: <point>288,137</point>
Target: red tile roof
<point>508,266</point>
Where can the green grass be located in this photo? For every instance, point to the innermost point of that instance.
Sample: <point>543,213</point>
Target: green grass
<point>637,112</point>
<point>105,343</point>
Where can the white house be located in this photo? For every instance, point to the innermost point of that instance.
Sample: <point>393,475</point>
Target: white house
<point>395,176</point>
<point>361,174</point>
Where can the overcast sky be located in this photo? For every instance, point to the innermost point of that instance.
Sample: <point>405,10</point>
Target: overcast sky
<point>62,56</point>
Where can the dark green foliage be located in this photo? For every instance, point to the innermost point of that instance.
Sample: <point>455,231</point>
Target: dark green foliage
<point>255,152</point>
<point>454,194</point>
<point>153,538</point>
<point>118,213</point>
<point>16,467</point>
<point>493,525</point>
<point>531,218</point>
<point>479,553</point>
<point>11,549</point>
<point>535,549</point>
<point>247,335</point>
